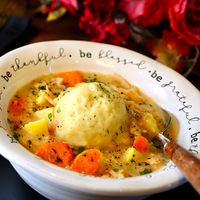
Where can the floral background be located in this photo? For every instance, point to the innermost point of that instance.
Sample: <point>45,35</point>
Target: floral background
<point>169,30</point>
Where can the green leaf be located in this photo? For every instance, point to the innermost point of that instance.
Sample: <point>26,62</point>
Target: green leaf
<point>56,14</point>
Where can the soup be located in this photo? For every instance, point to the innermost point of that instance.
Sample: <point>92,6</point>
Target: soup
<point>92,123</point>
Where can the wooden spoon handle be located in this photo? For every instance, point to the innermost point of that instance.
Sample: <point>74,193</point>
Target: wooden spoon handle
<point>186,162</point>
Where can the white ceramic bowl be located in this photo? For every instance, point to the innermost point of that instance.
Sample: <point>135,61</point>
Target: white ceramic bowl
<point>168,88</point>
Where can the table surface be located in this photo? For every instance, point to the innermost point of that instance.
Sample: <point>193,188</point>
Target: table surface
<point>12,187</point>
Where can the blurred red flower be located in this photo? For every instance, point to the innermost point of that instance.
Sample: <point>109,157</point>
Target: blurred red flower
<point>174,43</point>
<point>101,22</point>
<point>169,50</point>
<point>167,29</point>
<point>184,18</point>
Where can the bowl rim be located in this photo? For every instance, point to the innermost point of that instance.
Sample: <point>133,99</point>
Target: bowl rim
<point>95,185</point>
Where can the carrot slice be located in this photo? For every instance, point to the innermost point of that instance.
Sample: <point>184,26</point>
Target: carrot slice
<point>56,152</point>
<point>141,144</point>
<point>17,106</point>
<point>87,162</point>
<point>71,78</point>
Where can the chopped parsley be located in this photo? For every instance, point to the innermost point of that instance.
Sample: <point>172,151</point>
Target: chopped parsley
<point>17,96</point>
<point>81,149</point>
<point>34,109</point>
<point>34,92</point>
<point>95,97</point>
<point>145,171</point>
<point>91,80</point>
<point>58,159</point>
<point>16,135</point>
<point>42,87</point>
<point>58,110</point>
<point>132,161</point>
<point>50,116</point>
<point>94,79</point>
<point>103,89</point>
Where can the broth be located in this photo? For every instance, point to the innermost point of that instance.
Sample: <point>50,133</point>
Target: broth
<point>92,123</point>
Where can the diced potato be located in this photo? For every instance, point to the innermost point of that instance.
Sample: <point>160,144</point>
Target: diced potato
<point>41,100</point>
<point>131,155</point>
<point>45,98</point>
<point>150,124</point>
<point>37,128</point>
<point>47,114</point>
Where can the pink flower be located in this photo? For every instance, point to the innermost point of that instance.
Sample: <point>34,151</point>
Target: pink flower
<point>145,12</point>
<point>71,5</point>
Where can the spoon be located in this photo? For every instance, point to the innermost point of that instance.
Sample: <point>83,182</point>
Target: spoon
<point>184,160</point>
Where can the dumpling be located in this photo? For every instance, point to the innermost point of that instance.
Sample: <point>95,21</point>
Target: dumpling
<point>91,114</point>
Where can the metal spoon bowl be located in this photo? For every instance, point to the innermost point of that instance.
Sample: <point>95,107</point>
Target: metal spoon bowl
<point>184,160</point>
